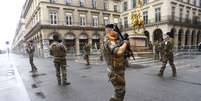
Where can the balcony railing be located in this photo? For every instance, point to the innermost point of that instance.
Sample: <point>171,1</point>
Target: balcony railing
<point>63,23</point>
<point>172,20</point>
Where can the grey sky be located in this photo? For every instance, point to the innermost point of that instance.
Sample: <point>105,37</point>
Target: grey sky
<point>10,13</point>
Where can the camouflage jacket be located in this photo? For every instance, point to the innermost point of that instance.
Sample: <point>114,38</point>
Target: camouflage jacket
<point>87,49</point>
<point>30,48</point>
<point>110,48</point>
<point>58,50</point>
<point>168,47</point>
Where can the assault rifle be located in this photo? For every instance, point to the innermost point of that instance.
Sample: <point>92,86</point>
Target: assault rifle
<point>128,50</point>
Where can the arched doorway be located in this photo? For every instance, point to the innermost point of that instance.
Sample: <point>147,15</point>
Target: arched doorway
<point>146,33</point>
<point>83,39</point>
<point>96,41</point>
<point>180,38</point>
<point>158,34</point>
<point>186,38</point>
<point>193,36</point>
<point>198,37</point>
<point>69,42</point>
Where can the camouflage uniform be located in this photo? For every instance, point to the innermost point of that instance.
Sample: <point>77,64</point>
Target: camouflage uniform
<point>58,50</point>
<point>30,50</point>
<point>168,56</point>
<point>87,53</point>
<point>157,50</point>
<point>116,68</point>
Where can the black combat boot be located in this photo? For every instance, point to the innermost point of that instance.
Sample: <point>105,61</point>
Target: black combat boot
<point>59,82</point>
<point>65,83</point>
<point>174,71</point>
<point>161,73</point>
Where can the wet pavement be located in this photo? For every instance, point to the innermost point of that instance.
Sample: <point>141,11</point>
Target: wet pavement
<point>11,85</point>
<point>90,83</point>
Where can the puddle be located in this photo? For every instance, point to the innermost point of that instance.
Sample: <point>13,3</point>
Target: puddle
<point>37,75</point>
<point>40,94</point>
<point>34,86</point>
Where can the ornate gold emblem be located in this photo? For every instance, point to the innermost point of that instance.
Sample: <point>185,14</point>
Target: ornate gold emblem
<point>137,20</point>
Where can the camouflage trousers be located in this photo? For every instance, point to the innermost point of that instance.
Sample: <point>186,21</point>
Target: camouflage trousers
<point>169,59</point>
<point>86,57</point>
<point>33,67</point>
<point>61,72</point>
<point>118,81</point>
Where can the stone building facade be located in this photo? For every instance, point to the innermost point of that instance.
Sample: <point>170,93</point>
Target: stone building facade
<point>76,21</point>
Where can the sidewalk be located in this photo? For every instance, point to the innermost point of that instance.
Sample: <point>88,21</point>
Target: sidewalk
<point>11,85</point>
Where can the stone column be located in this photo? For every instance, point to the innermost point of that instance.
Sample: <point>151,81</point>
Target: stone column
<point>77,45</point>
<point>89,19</point>
<point>100,19</point>
<point>111,18</point>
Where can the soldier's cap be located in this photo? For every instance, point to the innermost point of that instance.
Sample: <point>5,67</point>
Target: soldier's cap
<point>170,34</point>
<point>109,26</point>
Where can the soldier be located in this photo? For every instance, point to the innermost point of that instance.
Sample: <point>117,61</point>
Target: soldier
<point>58,50</point>
<point>168,54</point>
<point>114,53</point>
<point>87,48</point>
<point>127,55</point>
<point>30,50</point>
<point>161,48</point>
<point>157,50</point>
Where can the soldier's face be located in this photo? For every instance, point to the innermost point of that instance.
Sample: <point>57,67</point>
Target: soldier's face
<point>107,30</point>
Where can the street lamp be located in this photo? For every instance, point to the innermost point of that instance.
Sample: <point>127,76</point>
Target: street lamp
<point>7,43</point>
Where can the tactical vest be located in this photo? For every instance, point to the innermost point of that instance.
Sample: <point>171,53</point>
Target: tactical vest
<point>169,45</point>
<point>115,62</point>
<point>58,49</point>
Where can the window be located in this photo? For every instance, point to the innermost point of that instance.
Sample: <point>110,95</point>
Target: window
<point>105,5</point>
<point>181,15</point>
<point>125,6</point>
<point>194,18</point>
<point>173,13</point>
<point>52,1</point>
<point>188,1</point>
<point>200,3</point>
<point>95,21</point>
<point>145,17</point>
<point>69,19</point>
<point>125,22</point>
<point>145,2</point>
<point>82,20</point>
<point>106,20</point>
<point>115,8</point>
<point>187,16</point>
<point>94,3</point>
<point>157,14</point>
<point>133,3</point>
<point>116,20</point>
<point>82,3</point>
<point>53,17</point>
<point>194,2</point>
<point>68,2</point>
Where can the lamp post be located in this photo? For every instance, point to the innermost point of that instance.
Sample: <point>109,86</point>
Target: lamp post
<point>7,43</point>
